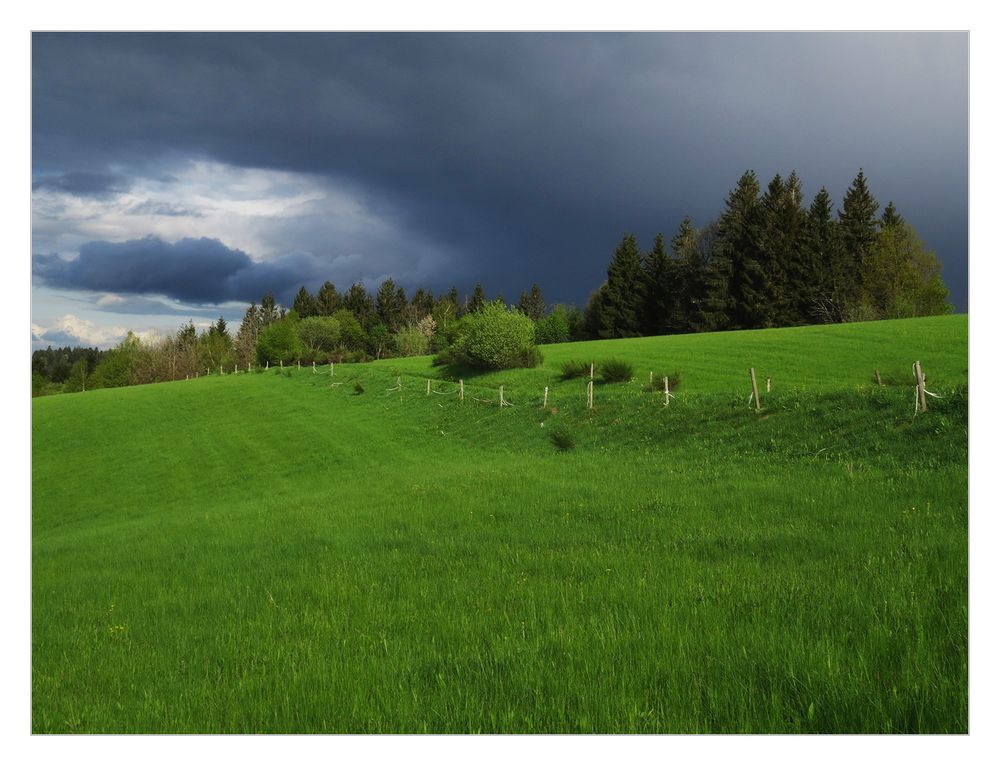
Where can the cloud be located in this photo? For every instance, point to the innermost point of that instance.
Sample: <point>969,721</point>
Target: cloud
<point>515,157</point>
<point>153,207</point>
<point>199,271</point>
<point>70,330</point>
<point>83,184</point>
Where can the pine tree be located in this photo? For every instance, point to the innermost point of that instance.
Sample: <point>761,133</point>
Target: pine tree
<point>268,310</point>
<point>624,293</point>
<point>858,229</point>
<point>478,299</point>
<point>304,304</point>
<point>661,289</point>
<point>532,304</point>
<point>782,237</point>
<point>826,299</point>
<point>245,344</point>
<point>390,303</point>
<point>327,300</point>
<point>739,260</point>
<point>890,217</point>
<point>360,303</point>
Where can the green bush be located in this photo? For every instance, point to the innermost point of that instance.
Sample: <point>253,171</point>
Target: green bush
<point>410,341</point>
<point>495,338</point>
<point>575,369</point>
<point>616,371</point>
<point>554,328</point>
<point>279,342</point>
<point>319,337</point>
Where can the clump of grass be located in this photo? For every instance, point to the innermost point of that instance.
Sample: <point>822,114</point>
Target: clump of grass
<point>358,388</point>
<point>562,439</point>
<point>575,369</point>
<point>673,377</point>
<point>616,370</point>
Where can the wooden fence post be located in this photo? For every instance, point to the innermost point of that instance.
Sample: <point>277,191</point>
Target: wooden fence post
<point>428,387</point>
<point>878,378</point>
<point>590,395</point>
<point>281,363</point>
<point>501,396</point>
<point>591,370</point>
<point>314,366</point>
<point>331,369</point>
<point>768,385</point>
<point>666,392</point>
<point>545,399</point>
<point>921,396</point>
<point>267,363</point>
<point>650,380</point>
<point>753,382</point>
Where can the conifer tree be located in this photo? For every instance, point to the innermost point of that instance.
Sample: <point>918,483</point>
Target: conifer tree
<point>245,344</point>
<point>858,228</point>
<point>661,289</point>
<point>327,300</point>
<point>890,216</point>
<point>739,260</point>
<point>304,304</point>
<point>782,236</point>
<point>478,299</point>
<point>360,303</point>
<point>621,305</point>
<point>390,302</point>
<point>827,298</point>
<point>532,303</point>
<point>268,310</point>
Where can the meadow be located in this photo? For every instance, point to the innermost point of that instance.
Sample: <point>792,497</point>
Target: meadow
<point>290,551</point>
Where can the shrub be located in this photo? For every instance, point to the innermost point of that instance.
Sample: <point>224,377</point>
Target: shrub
<point>279,342</point>
<point>495,338</point>
<point>574,369</point>
<point>554,328</point>
<point>412,341</point>
<point>319,336</point>
<point>674,377</point>
<point>562,439</point>
<point>616,371</point>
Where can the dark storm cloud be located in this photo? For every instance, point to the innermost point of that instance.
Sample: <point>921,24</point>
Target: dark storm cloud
<point>527,155</point>
<point>83,184</point>
<point>200,271</point>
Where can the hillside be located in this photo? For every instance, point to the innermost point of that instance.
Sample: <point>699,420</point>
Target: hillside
<point>278,552</point>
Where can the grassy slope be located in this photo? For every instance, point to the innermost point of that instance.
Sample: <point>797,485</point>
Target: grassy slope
<point>265,553</point>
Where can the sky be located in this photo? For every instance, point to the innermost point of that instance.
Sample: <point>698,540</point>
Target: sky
<point>182,176</point>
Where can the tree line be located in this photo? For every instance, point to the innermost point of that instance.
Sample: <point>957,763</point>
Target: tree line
<point>766,261</point>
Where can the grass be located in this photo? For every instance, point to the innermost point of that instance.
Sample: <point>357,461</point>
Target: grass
<point>258,553</point>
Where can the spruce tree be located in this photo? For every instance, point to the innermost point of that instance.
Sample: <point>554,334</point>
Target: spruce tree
<point>304,304</point>
<point>245,344</point>
<point>532,303</point>
<point>739,260</point>
<point>360,303</point>
<point>661,290</point>
<point>327,300</point>
<point>858,229</point>
<point>390,301</point>
<point>782,237</point>
<point>268,310</point>
<point>890,217</point>
<point>826,299</point>
<point>624,293</point>
<point>478,299</point>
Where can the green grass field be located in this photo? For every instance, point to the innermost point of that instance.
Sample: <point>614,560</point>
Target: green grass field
<point>273,553</point>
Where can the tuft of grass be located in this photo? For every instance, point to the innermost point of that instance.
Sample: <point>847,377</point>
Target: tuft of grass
<point>616,370</point>
<point>358,388</point>
<point>575,369</point>
<point>562,439</point>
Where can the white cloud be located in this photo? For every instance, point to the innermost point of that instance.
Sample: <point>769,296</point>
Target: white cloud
<point>70,330</point>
